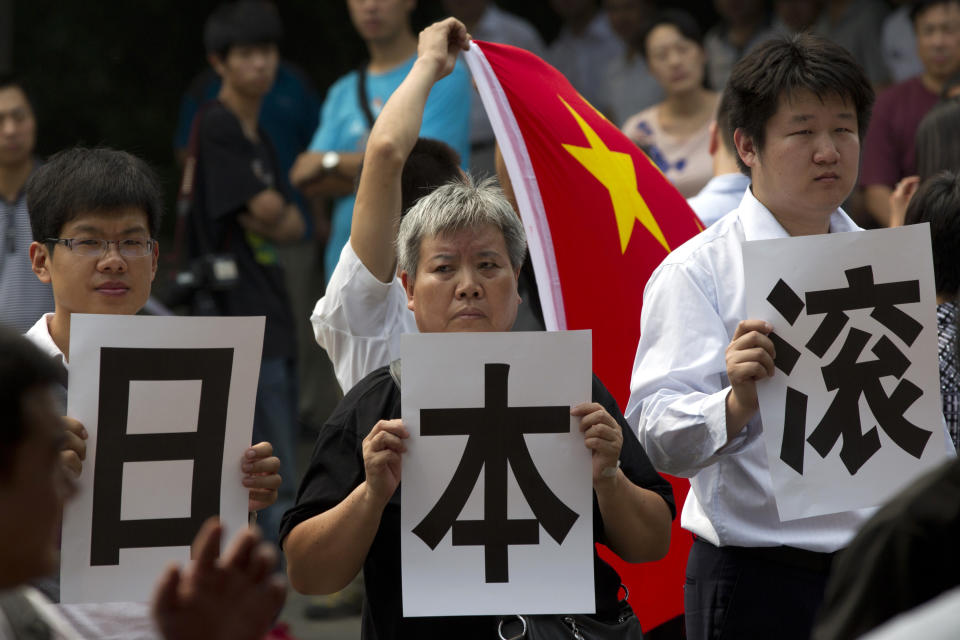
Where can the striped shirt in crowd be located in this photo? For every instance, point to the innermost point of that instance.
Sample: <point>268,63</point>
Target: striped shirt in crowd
<point>23,298</point>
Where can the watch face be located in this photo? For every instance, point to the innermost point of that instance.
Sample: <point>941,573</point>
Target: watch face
<point>330,160</point>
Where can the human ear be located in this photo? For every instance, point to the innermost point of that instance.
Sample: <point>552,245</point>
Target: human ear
<point>39,257</point>
<point>746,149</point>
<point>217,63</point>
<point>407,283</point>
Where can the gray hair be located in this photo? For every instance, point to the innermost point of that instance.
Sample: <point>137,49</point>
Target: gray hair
<point>456,206</point>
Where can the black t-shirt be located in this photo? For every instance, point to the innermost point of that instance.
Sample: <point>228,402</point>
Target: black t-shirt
<point>336,469</point>
<point>231,169</point>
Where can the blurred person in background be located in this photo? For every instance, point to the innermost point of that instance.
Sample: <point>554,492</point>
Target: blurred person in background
<point>889,147</point>
<point>23,298</point>
<point>743,25</point>
<point>330,166</point>
<point>240,209</point>
<point>675,133</point>
<point>937,201</point>
<point>628,84</point>
<point>584,47</point>
<point>899,43</point>
<point>856,26</point>
<point>938,149</point>
<point>488,22</point>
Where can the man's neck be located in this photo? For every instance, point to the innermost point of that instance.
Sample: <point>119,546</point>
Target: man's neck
<point>13,177</point>
<point>797,224</point>
<point>388,53</point>
<point>933,84</point>
<point>59,327</point>
<point>689,103</point>
<point>724,163</point>
<point>245,108</point>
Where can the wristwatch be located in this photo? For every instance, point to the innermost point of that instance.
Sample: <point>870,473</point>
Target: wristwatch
<point>330,161</point>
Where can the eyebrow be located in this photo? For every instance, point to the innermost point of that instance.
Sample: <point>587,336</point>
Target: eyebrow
<point>805,117</point>
<point>89,228</point>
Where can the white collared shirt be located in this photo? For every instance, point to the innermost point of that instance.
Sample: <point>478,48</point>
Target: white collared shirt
<point>691,307</point>
<point>359,320</point>
<point>39,335</point>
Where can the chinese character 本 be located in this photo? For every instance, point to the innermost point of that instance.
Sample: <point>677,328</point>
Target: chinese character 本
<point>495,442</point>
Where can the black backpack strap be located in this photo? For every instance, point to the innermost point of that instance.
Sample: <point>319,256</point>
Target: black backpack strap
<point>362,97</point>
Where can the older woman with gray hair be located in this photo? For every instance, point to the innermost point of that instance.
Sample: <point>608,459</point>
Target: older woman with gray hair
<point>460,250</point>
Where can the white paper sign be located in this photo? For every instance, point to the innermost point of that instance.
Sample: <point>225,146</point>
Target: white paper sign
<point>479,535</point>
<point>168,404</point>
<point>852,413</point>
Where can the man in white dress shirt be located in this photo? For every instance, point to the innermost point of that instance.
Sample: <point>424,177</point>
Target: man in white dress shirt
<point>798,108</point>
<point>233,597</point>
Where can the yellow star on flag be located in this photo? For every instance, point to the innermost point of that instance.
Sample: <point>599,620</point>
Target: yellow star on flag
<point>615,170</point>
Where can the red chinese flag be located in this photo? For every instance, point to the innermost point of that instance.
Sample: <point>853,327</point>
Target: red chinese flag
<point>599,218</point>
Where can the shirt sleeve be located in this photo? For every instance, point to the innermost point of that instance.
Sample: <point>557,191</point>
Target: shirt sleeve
<point>358,319</point>
<point>679,384</point>
<point>226,162</point>
<point>447,113</point>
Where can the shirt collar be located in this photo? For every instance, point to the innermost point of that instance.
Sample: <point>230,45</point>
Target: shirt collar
<point>39,335</point>
<point>759,224</point>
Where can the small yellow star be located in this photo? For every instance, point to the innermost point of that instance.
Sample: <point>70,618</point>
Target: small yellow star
<point>615,170</point>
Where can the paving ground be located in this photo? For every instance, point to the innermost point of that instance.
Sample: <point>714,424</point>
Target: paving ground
<point>304,629</point>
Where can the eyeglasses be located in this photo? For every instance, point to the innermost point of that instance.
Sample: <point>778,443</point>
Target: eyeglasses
<point>129,248</point>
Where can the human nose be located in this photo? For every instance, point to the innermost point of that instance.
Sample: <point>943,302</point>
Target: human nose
<point>826,151</point>
<point>469,286</point>
<point>111,259</point>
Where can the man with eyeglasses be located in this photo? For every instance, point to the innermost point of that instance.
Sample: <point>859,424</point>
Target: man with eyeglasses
<point>94,214</point>
<point>22,296</point>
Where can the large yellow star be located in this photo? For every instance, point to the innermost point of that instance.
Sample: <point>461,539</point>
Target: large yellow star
<point>616,172</point>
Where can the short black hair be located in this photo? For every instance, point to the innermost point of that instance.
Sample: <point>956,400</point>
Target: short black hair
<point>242,23</point>
<point>782,66</point>
<point>13,81</point>
<point>677,18</point>
<point>937,201</point>
<point>430,164</point>
<point>919,6</point>
<point>77,181</point>
<point>23,367</point>
<point>935,141</point>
